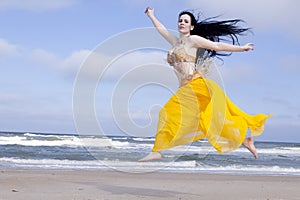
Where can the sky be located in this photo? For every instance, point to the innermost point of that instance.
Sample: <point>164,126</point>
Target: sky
<point>49,50</point>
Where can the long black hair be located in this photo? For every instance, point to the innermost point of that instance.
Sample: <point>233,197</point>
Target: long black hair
<point>214,30</point>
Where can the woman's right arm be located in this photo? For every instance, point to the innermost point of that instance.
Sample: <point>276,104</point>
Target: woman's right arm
<point>172,39</point>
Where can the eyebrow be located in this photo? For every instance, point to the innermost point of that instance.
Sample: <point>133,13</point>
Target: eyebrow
<point>185,19</point>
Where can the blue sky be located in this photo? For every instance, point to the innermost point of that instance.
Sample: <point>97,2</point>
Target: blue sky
<point>43,45</point>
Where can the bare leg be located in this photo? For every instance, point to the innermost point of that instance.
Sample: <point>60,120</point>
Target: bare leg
<point>151,156</point>
<point>249,144</point>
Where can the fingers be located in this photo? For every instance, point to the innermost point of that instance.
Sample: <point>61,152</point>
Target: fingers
<point>148,9</point>
<point>250,46</point>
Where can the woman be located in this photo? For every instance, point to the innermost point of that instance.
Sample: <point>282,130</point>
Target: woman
<point>200,109</point>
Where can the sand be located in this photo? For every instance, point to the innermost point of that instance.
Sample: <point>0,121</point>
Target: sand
<point>30,184</point>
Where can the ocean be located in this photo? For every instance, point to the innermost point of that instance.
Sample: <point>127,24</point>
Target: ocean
<point>120,153</point>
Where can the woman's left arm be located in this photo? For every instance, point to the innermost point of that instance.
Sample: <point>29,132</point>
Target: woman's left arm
<point>200,42</point>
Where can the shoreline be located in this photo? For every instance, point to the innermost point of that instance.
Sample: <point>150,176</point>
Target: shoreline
<point>158,170</point>
<point>111,185</point>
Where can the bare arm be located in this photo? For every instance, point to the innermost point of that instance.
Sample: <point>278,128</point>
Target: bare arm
<point>160,27</point>
<point>200,42</point>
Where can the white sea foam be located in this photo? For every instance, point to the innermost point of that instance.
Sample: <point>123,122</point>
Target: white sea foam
<point>46,135</point>
<point>24,141</point>
<point>54,140</point>
<point>30,139</point>
<point>121,153</point>
<point>273,151</point>
<point>144,139</point>
<point>128,166</point>
<point>96,164</point>
<point>102,142</point>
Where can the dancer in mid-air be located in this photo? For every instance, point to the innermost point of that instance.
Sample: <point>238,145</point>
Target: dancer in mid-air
<point>199,108</point>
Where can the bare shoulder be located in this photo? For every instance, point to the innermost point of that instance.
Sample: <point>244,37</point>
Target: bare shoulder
<point>196,38</point>
<point>201,42</point>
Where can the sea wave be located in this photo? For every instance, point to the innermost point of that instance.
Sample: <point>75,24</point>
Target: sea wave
<point>129,166</point>
<point>144,139</point>
<point>29,139</point>
<point>125,143</point>
<point>273,151</point>
<point>95,164</point>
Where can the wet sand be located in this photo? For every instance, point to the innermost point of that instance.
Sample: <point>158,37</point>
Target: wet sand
<point>33,184</point>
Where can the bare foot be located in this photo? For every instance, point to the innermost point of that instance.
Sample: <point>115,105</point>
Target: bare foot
<point>151,156</point>
<point>249,144</point>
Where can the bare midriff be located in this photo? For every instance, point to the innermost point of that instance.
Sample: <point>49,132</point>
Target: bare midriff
<point>185,81</point>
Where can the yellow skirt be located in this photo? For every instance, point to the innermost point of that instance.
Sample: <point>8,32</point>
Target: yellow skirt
<point>200,109</point>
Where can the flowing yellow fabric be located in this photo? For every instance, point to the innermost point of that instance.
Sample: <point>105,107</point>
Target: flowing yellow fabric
<point>200,109</point>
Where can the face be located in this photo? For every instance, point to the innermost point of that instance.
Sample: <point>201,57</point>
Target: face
<point>184,24</point>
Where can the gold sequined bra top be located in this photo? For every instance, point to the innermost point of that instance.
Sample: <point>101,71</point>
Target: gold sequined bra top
<point>183,63</point>
<point>178,54</point>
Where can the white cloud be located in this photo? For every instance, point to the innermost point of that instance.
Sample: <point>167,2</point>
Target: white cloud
<point>128,62</point>
<point>35,5</point>
<point>136,66</point>
<point>73,61</point>
<point>43,58</point>
<point>268,15</point>
<point>7,49</point>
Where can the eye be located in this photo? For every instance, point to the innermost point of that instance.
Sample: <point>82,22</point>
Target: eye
<point>186,21</point>
<point>180,20</point>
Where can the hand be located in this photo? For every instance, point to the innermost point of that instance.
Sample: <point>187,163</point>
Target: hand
<point>248,46</point>
<point>149,11</point>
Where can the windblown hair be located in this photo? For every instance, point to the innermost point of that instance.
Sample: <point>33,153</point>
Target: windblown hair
<point>216,31</point>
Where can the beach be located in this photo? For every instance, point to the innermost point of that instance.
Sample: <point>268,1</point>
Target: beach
<point>44,184</point>
<point>37,166</point>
